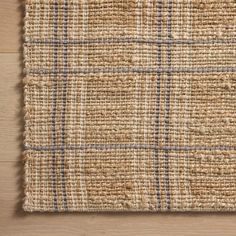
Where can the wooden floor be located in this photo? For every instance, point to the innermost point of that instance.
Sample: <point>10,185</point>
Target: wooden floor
<point>13,221</point>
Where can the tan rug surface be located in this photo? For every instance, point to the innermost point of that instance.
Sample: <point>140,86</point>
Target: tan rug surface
<point>130,105</point>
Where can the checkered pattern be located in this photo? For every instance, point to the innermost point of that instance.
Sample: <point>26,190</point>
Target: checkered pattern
<point>130,105</point>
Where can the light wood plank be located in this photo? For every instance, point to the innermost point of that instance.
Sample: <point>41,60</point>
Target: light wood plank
<point>11,13</point>
<point>11,99</point>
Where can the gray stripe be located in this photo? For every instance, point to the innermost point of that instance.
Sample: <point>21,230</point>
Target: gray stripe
<point>64,106</point>
<point>158,85</point>
<point>129,146</point>
<point>130,40</point>
<point>167,107</point>
<point>54,102</point>
<point>132,70</point>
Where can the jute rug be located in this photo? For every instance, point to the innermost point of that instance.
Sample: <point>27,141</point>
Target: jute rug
<point>130,105</point>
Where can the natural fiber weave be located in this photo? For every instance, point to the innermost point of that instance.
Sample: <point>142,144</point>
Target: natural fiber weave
<point>130,105</point>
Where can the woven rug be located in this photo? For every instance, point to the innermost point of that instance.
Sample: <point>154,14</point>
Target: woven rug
<point>130,105</point>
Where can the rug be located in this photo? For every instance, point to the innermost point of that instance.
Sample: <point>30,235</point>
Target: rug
<point>130,105</point>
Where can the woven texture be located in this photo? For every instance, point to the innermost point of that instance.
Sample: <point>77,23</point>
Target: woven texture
<point>130,105</point>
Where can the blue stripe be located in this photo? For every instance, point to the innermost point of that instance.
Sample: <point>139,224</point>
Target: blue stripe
<point>132,70</point>
<point>129,40</point>
<point>157,122</point>
<point>115,146</point>
<point>167,109</point>
<point>54,102</point>
<point>64,105</point>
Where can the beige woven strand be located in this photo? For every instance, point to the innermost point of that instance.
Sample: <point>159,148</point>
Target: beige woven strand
<point>130,105</point>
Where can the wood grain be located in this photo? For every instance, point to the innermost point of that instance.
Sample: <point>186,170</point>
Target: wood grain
<point>11,13</point>
<point>10,106</point>
<point>14,222</point>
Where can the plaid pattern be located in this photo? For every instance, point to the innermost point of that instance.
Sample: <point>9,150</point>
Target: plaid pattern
<point>130,105</point>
